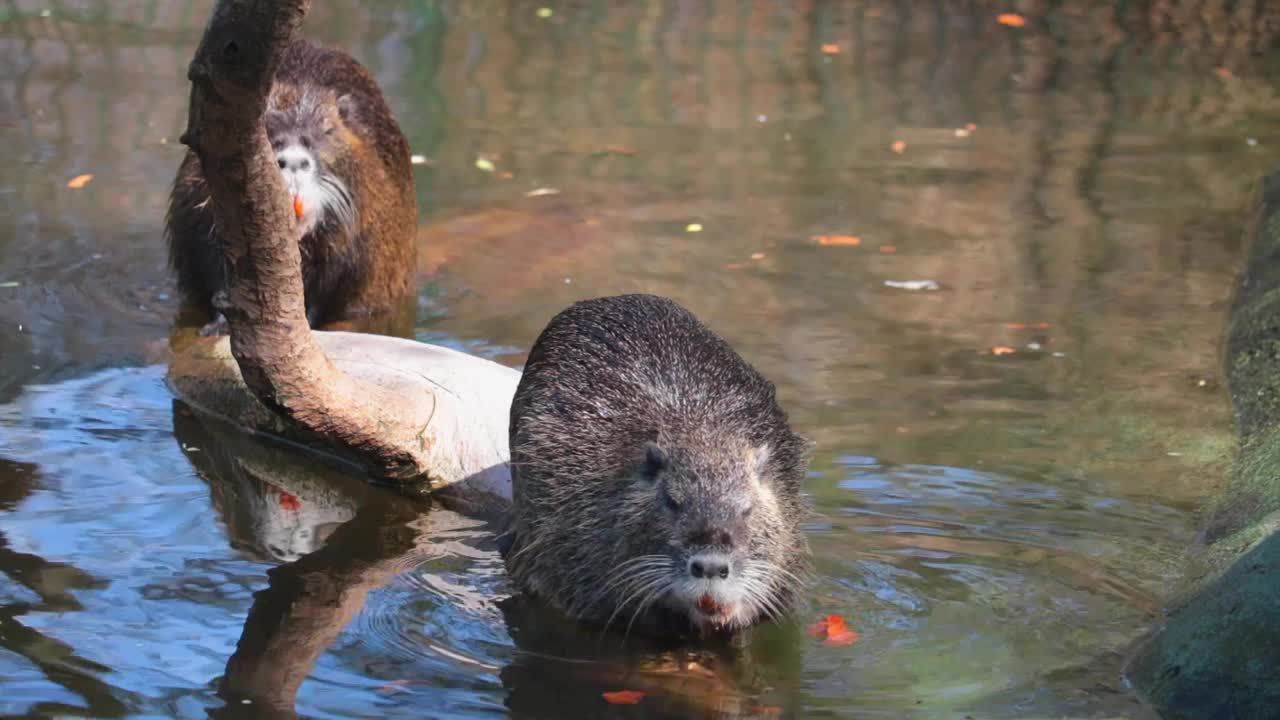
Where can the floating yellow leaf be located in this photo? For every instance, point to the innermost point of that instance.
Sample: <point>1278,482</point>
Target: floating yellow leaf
<point>79,181</point>
<point>693,227</point>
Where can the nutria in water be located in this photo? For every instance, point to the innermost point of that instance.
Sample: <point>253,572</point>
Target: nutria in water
<point>656,480</point>
<point>346,166</point>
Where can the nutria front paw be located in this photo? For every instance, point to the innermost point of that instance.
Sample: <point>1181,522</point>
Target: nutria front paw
<point>215,328</point>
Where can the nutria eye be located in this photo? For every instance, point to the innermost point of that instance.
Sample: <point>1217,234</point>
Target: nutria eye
<point>329,130</point>
<point>670,502</point>
<point>654,462</point>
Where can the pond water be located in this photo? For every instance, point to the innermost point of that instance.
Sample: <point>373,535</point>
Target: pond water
<point>1010,457</point>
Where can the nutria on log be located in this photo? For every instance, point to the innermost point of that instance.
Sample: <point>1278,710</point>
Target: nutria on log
<point>347,168</point>
<point>656,481</point>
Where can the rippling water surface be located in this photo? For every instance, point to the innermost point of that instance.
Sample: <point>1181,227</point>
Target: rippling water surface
<point>1009,456</point>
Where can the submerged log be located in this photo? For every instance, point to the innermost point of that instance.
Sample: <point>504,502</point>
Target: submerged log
<point>388,428</point>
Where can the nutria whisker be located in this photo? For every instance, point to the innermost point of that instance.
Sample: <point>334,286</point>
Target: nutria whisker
<point>631,568</point>
<point>637,588</point>
<point>648,600</point>
<point>757,589</point>
<point>339,204</point>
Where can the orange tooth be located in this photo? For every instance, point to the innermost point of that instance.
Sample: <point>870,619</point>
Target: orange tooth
<point>297,206</point>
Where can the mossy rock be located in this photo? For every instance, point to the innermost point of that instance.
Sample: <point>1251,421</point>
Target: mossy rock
<point>1217,655</point>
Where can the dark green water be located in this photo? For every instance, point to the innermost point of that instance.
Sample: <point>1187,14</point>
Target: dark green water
<point>997,527</point>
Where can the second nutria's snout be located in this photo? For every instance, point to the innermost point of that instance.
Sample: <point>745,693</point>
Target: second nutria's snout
<point>302,180</point>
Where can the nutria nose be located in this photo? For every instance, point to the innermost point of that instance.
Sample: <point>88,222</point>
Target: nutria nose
<point>294,159</point>
<point>709,566</point>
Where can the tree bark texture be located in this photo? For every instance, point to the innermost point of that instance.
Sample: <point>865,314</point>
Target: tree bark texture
<point>231,76</point>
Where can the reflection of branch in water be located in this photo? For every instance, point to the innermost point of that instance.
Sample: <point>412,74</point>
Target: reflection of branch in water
<point>281,505</point>
<point>59,663</point>
<point>310,601</point>
<point>51,581</point>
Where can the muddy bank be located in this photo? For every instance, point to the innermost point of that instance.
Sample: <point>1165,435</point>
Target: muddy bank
<point>1218,651</point>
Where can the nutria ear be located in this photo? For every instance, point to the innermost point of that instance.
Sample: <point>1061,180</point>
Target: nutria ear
<point>758,460</point>
<point>346,107</point>
<point>655,459</point>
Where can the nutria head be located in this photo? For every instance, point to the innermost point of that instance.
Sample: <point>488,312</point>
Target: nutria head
<point>307,127</point>
<point>656,480</point>
<point>723,551</point>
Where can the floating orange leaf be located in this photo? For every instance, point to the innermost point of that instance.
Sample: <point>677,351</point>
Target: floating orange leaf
<point>79,181</point>
<point>1003,350</point>
<point>898,146</point>
<point>841,639</point>
<point>623,697</point>
<point>830,49</point>
<point>888,249</point>
<point>1011,19</point>
<point>297,206</point>
<point>757,256</point>
<point>735,266</point>
<point>845,240</point>
<point>1223,73</point>
<point>970,127</point>
<point>836,632</point>
<point>506,175</point>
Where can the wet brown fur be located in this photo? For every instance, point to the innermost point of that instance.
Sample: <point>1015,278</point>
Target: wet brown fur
<point>350,271</point>
<point>606,380</point>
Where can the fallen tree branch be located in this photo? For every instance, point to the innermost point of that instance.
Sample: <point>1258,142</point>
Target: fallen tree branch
<point>231,76</point>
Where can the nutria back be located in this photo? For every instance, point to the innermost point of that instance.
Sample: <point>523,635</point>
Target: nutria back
<point>656,481</point>
<point>348,166</point>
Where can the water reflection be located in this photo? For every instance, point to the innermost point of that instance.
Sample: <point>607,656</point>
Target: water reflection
<point>442,624</point>
<point>996,526</point>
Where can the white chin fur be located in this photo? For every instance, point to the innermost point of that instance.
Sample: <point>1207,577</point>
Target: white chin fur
<point>686,595</point>
<point>305,188</point>
<point>299,169</point>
